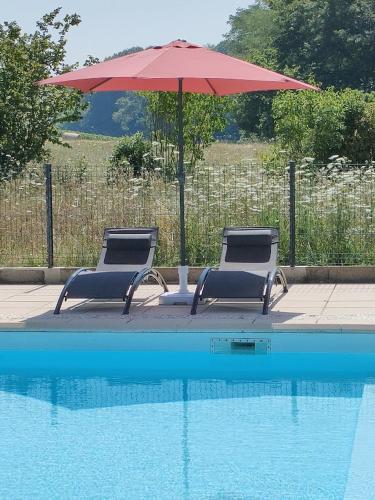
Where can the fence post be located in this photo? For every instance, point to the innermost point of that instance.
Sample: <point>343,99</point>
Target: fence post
<point>49,213</point>
<point>292,213</point>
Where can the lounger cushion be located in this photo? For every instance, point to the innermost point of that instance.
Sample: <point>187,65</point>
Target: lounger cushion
<point>250,245</point>
<point>253,236</point>
<point>247,253</point>
<point>100,285</point>
<point>128,249</point>
<point>233,284</point>
<point>246,240</point>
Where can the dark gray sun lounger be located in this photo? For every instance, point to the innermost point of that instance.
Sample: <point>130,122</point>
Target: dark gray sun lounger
<point>125,262</point>
<point>247,269</point>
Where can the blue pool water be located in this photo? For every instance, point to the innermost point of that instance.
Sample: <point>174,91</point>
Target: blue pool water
<point>186,426</point>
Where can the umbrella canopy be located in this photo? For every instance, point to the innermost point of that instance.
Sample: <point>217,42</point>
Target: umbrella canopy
<point>179,66</point>
<point>159,69</point>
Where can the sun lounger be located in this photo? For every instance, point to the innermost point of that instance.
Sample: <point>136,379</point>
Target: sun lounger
<point>125,262</point>
<point>247,269</point>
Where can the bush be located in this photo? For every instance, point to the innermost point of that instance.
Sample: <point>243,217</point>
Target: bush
<point>133,151</point>
<point>326,123</point>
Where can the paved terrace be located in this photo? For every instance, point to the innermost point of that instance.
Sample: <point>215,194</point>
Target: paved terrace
<point>308,306</point>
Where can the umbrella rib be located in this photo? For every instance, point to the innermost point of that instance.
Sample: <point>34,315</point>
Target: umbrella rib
<point>210,85</point>
<point>101,83</point>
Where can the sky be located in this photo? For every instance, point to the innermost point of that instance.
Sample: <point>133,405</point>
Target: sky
<point>109,26</point>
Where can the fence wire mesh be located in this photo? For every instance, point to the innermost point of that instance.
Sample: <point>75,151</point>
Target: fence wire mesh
<point>23,220</point>
<point>334,211</point>
<point>335,222</point>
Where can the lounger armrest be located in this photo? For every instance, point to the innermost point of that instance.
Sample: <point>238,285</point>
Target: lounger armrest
<point>203,276</point>
<point>73,276</point>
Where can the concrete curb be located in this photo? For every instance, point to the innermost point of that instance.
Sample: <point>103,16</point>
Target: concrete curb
<point>298,274</point>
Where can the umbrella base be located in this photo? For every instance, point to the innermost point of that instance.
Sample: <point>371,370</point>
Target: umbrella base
<point>182,297</point>
<point>176,299</point>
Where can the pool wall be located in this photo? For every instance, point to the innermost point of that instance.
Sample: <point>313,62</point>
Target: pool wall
<point>302,341</point>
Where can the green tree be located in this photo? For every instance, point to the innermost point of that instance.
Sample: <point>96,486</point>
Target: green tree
<point>131,113</point>
<point>29,113</point>
<point>329,41</point>
<point>250,37</point>
<point>251,34</point>
<point>253,114</point>
<point>204,115</point>
<point>98,118</point>
<point>322,124</point>
<point>334,40</point>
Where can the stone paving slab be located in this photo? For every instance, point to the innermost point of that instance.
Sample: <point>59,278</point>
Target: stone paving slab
<point>306,306</point>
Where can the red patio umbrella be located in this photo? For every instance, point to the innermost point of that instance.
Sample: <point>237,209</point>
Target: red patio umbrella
<point>179,67</point>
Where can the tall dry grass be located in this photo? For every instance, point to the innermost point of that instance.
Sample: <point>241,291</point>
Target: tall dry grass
<point>335,208</point>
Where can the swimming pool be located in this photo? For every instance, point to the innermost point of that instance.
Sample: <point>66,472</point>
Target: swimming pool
<point>104,423</point>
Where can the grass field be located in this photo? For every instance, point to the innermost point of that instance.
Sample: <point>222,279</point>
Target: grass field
<point>98,149</point>
<point>335,208</point>
<point>82,150</point>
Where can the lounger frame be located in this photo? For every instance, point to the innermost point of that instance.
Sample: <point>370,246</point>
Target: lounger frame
<point>277,275</point>
<point>130,287</point>
<point>273,274</point>
<point>128,291</point>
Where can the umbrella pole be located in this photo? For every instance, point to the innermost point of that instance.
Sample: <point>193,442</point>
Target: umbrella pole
<point>183,269</point>
<point>180,171</point>
<point>182,296</point>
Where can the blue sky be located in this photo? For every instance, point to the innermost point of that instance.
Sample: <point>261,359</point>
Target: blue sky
<point>109,26</point>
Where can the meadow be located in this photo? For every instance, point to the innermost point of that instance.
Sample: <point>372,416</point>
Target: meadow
<point>231,186</point>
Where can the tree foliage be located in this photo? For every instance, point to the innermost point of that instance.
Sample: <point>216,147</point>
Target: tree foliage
<point>251,34</point>
<point>327,123</point>
<point>329,41</point>
<point>250,37</point>
<point>29,113</point>
<point>98,117</point>
<point>204,115</point>
<point>131,113</point>
<point>334,40</point>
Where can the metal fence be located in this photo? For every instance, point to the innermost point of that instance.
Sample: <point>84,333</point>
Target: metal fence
<point>56,215</point>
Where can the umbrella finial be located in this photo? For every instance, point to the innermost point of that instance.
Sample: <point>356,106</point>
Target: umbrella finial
<point>182,44</point>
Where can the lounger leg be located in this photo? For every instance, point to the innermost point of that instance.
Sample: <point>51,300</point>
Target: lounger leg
<point>283,280</point>
<point>159,279</point>
<point>59,302</point>
<point>64,291</point>
<point>270,281</point>
<point>137,281</point>
<point>277,273</point>
<point>128,302</point>
<point>198,289</point>
<point>195,303</point>
<point>266,303</point>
